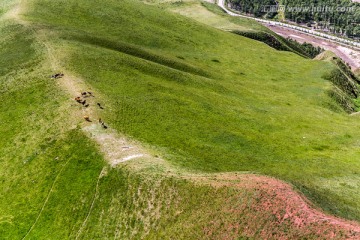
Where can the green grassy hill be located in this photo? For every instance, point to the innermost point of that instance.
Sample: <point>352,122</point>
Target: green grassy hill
<point>204,99</point>
<point>213,15</point>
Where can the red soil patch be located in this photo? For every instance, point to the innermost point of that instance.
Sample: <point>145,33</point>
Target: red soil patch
<point>345,53</point>
<point>268,208</point>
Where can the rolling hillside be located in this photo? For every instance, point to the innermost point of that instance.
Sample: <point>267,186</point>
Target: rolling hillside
<point>194,103</point>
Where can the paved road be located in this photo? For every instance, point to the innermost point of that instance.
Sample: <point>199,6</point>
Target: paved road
<point>342,41</point>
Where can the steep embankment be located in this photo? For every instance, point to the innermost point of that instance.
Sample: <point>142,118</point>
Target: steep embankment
<point>194,99</point>
<point>346,89</point>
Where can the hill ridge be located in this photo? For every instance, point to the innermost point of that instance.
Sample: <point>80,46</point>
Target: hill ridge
<point>112,146</point>
<point>115,147</point>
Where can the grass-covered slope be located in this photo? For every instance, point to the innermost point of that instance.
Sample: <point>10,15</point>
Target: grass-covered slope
<point>213,15</point>
<point>346,88</point>
<point>205,99</point>
<point>244,106</point>
<point>210,14</point>
<point>55,184</point>
<point>36,157</point>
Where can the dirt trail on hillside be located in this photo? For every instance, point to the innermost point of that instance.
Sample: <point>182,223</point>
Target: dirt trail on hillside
<point>276,197</point>
<point>116,148</point>
<point>275,202</point>
<point>13,13</point>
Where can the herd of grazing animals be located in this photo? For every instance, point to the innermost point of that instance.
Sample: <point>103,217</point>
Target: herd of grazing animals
<point>82,100</point>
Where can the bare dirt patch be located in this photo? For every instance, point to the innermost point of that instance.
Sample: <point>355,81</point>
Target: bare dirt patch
<point>278,211</point>
<point>117,149</point>
<point>13,13</point>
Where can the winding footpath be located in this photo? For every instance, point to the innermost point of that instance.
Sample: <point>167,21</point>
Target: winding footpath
<point>275,204</point>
